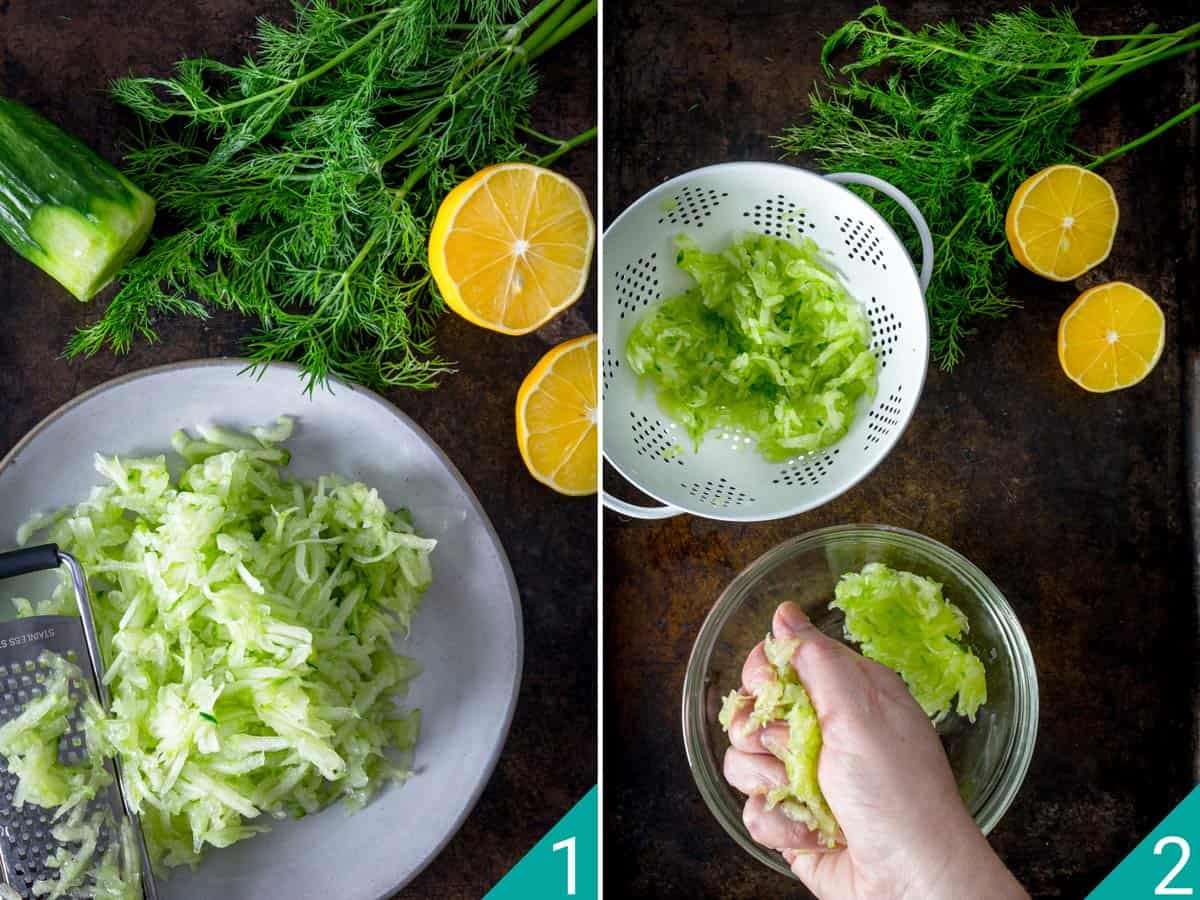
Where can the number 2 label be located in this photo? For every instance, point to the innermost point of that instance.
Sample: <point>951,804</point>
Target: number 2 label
<point>568,844</point>
<point>1185,852</point>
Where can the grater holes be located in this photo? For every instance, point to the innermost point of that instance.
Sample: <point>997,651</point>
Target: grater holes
<point>806,471</point>
<point>719,494</point>
<point>637,285</point>
<point>29,840</point>
<point>778,217</point>
<point>654,440</point>
<point>691,206</point>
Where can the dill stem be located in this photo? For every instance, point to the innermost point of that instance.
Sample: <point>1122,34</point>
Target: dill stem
<point>1100,81</point>
<point>533,132</point>
<point>343,282</point>
<point>585,14</point>
<point>431,115</point>
<point>567,146</point>
<point>367,17</point>
<point>562,10</point>
<point>551,32</point>
<point>535,15</point>
<point>294,83</point>
<point>1147,137</point>
<point>945,241</point>
<point>1113,59</point>
<point>1132,38</point>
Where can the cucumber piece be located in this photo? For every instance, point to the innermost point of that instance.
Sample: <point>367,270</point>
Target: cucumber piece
<point>62,207</point>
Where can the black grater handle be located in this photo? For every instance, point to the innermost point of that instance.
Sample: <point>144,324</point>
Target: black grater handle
<point>28,559</point>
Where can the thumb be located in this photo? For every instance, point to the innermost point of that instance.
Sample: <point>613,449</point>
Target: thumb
<point>830,672</point>
<point>790,623</point>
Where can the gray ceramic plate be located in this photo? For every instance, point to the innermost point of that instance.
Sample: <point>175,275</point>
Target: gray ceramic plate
<point>467,636</point>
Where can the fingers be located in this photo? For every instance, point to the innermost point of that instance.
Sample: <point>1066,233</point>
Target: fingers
<point>773,829</point>
<point>757,670</point>
<point>748,737</point>
<point>830,672</point>
<point>742,734</point>
<point>775,738</point>
<point>753,773</point>
<point>790,622</point>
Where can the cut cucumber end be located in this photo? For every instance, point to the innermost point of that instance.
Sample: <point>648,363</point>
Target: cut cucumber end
<point>84,252</point>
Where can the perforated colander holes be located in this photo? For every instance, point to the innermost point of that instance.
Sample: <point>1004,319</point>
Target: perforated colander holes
<point>806,471</point>
<point>656,439</point>
<point>883,419</point>
<point>885,332</point>
<point>720,493</point>
<point>691,206</point>
<point>778,217</point>
<point>861,241</point>
<point>637,285</point>
<point>612,362</point>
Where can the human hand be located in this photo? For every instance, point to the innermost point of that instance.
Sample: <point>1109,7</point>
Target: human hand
<point>883,772</point>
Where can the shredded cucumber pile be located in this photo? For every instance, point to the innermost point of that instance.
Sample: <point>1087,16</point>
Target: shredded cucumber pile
<point>898,619</point>
<point>767,341</point>
<point>785,699</point>
<point>903,621</point>
<point>99,857</point>
<point>247,621</point>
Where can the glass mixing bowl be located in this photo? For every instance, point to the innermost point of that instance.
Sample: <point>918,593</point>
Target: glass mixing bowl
<point>989,758</point>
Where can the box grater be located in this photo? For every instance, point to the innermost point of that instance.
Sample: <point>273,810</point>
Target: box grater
<point>26,842</point>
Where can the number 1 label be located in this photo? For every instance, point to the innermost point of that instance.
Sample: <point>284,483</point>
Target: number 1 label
<point>568,844</point>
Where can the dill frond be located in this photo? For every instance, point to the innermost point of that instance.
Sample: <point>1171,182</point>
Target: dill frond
<point>957,118</point>
<point>304,180</point>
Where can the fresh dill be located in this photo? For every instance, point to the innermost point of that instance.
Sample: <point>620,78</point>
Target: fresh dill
<point>301,183</point>
<point>957,118</point>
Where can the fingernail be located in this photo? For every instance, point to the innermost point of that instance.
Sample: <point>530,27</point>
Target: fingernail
<point>793,617</point>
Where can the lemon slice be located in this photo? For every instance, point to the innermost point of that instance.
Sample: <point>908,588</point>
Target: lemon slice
<point>1111,337</point>
<point>1061,222</point>
<point>511,247</point>
<point>557,418</point>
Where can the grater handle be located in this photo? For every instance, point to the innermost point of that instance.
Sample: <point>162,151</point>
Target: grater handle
<point>28,559</point>
<point>918,220</point>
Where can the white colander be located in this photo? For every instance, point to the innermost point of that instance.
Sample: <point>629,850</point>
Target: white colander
<point>727,478</point>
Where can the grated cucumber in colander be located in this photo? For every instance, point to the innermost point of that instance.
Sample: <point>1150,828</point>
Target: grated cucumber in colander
<point>768,341</point>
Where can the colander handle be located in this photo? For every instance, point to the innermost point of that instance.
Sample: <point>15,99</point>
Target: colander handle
<point>886,187</point>
<point>639,512</point>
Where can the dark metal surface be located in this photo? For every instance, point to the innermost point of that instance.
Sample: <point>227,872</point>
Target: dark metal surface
<point>58,56</point>
<point>1075,505</point>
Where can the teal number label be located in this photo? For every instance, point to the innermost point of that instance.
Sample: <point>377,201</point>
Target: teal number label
<point>1165,888</point>
<point>568,844</point>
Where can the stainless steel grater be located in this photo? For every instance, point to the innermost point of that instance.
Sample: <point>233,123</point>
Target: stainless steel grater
<point>25,839</point>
